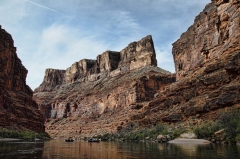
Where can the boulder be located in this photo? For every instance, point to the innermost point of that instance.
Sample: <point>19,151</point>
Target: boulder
<point>188,136</point>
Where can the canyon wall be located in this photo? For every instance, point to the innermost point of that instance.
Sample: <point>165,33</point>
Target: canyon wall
<point>110,63</point>
<point>114,95</point>
<point>215,32</point>
<point>98,95</point>
<point>207,62</point>
<point>16,104</point>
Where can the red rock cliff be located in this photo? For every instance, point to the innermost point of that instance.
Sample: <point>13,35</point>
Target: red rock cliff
<point>215,32</point>
<point>17,109</point>
<point>110,63</point>
<point>95,96</point>
<point>207,62</point>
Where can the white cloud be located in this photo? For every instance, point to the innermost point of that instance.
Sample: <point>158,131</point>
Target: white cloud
<point>60,46</point>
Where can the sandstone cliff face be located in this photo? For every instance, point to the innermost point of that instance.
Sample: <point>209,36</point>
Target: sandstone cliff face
<point>110,63</point>
<point>104,105</point>
<point>98,95</point>
<point>215,32</point>
<point>200,95</point>
<point>16,105</point>
<point>139,54</point>
<point>207,62</point>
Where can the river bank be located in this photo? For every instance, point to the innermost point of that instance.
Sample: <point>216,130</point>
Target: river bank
<point>9,139</point>
<point>225,130</point>
<point>18,134</point>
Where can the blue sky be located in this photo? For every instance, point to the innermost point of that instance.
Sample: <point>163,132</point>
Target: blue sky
<point>57,33</point>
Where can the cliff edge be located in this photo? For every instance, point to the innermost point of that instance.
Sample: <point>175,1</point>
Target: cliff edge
<point>18,109</point>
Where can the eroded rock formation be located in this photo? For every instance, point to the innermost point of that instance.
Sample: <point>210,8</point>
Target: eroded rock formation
<point>17,108</point>
<point>110,63</point>
<point>98,95</point>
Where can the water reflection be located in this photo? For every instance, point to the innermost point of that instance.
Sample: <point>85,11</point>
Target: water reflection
<point>15,150</point>
<point>115,150</point>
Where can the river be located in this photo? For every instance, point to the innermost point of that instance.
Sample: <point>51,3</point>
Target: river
<point>56,149</point>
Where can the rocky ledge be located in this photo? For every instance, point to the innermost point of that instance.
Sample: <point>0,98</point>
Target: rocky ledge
<point>120,89</point>
<point>17,108</point>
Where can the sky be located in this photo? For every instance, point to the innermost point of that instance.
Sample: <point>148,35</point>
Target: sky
<point>57,33</point>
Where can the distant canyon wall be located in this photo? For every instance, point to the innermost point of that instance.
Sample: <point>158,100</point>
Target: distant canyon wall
<point>102,91</point>
<point>110,63</point>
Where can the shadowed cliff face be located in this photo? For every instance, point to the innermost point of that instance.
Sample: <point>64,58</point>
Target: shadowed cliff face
<point>98,95</point>
<point>17,109</point>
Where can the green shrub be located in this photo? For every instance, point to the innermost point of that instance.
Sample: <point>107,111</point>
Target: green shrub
<point>141,134</point>
<point>177,132</point>
<point>207,130</point>
<point>22,134</point>
<point>106,136</point>
<point>230,121</point>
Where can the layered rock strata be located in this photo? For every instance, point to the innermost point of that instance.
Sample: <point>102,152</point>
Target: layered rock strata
<point>98,95</point>
<point>215,32</point>
<point>110,63</point>
<point>207,62</point>
<point>17,108</point>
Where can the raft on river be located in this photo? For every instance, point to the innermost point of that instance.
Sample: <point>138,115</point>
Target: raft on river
<point>93,140</point>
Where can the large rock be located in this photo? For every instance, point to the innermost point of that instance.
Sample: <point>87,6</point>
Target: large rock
<point>139,54</point>
<point>17,109</point>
